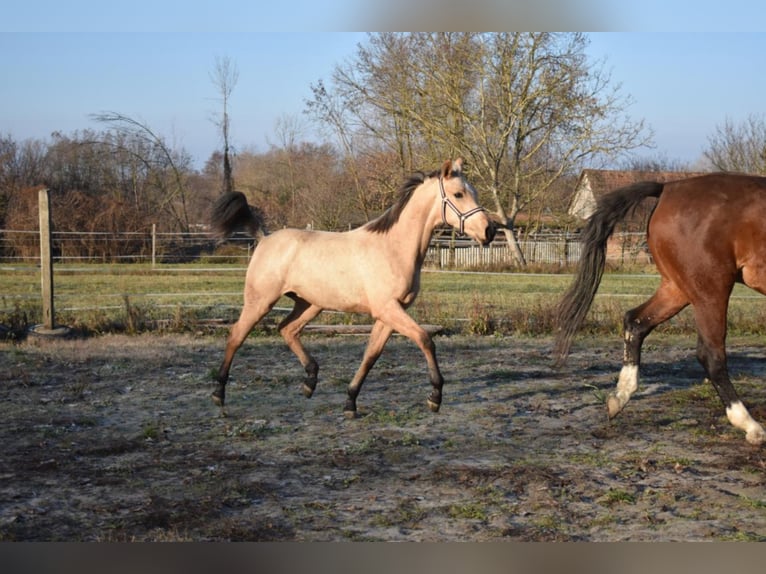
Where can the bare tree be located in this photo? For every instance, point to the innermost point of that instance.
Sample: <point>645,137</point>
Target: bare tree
<point>225,76</point>
<point>523,108</point>
<point>168,167</point>
<point>287,130</point>
<point>313,191</point>
<point>21,165</point>
<point>657,162</point>
<point>739,147</point>
<point>334,113</point>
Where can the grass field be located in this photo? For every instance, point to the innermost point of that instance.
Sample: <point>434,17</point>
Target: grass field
<point>133,297</point>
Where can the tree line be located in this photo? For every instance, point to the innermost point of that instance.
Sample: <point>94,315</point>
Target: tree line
<point>527,111</point>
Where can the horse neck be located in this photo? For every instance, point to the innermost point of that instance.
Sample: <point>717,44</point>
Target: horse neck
<point>417,222</point>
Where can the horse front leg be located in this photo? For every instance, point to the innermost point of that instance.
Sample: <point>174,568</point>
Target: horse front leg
<point>398,319</point>
<point>378,338</point>
<point>437,381</point>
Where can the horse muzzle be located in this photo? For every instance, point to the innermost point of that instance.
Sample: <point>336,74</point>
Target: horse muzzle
<point>480,228</point>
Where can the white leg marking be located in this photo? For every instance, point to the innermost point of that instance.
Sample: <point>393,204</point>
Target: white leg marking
<point>741,419</point>
<point>626,386</point>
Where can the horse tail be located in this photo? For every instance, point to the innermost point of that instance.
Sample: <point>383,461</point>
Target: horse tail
<point>574,305</point>
<point>231,212</point>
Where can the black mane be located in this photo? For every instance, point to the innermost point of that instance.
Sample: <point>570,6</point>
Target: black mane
<point>387,220</point>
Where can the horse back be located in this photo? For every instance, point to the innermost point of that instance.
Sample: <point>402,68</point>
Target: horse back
<point>718,198</point>
<point>716,217</point>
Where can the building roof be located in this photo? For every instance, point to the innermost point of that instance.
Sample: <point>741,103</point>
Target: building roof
<point>593,183</point>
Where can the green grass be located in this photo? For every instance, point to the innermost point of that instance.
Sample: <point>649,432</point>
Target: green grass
<point>468,510</point>
<point>98,298</point>
<point>617,496</point>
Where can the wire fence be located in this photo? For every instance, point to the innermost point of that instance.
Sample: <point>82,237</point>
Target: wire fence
<point>151,246</point>
<point>115,247</point>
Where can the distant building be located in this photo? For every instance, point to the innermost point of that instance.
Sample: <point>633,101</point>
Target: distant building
<point>628,244</point>
<point>593,183</point>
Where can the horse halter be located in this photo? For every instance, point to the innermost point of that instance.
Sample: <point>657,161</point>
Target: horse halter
<point>447,202</point>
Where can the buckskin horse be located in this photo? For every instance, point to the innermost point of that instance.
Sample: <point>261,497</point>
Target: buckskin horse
<point>373,269</point>
<point>706,233</point>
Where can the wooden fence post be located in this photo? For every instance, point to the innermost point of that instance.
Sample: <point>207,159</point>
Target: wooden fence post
<point>46,261</point>
<point>48,327</point>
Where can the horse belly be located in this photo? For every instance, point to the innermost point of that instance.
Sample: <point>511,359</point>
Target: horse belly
<point>328,295</point>
<point>329,281</point>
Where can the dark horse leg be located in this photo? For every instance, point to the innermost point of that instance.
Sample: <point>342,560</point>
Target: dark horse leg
<point>378,338</point>
<point>290,328</point>
<point>251,313</point>
<point>666,302</point>
<point>710,308</point>
<point>711,352</point>
<point>705,233</point>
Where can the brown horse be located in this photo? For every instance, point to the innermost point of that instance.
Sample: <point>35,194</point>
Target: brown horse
<point>374,269</point>
<point>705,234</point>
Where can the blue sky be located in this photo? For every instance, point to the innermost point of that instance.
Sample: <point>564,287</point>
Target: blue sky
<point>57,81</point>
<point>685,85</point>
<point>60,65</point>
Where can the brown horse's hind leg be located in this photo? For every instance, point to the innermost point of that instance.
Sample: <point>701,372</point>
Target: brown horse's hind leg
<point>666,302</point>
<point>711,352</point>
<point>378,338</point>
<point>290,328</point>
<point>248,318</point>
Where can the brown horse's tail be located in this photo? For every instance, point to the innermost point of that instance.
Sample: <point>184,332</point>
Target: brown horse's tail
<point>574,305</point>
<point>231,212</point>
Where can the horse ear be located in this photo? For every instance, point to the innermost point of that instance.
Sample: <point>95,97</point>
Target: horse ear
<point>447,169</point>
<point>457,165</point>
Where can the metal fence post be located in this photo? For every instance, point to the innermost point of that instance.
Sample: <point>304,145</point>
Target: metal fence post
<point>154,244</point>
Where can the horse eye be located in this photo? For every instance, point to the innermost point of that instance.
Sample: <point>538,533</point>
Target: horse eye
<point>458,195</point>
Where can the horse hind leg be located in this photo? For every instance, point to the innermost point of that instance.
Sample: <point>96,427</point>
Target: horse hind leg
<point>711,353</point>
<point>249,316</point>
<point>666,302</point>
<point>290,328</point>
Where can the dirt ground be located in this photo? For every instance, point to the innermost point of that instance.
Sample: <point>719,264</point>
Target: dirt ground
<point>115,438</point>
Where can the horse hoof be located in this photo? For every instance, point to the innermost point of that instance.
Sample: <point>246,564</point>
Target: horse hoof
<point>433,406</point>
<point>307,391</point>
<point>613,406</point>
<point>217,399</point>
<point>756,436</point>
<point>350,415</point>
